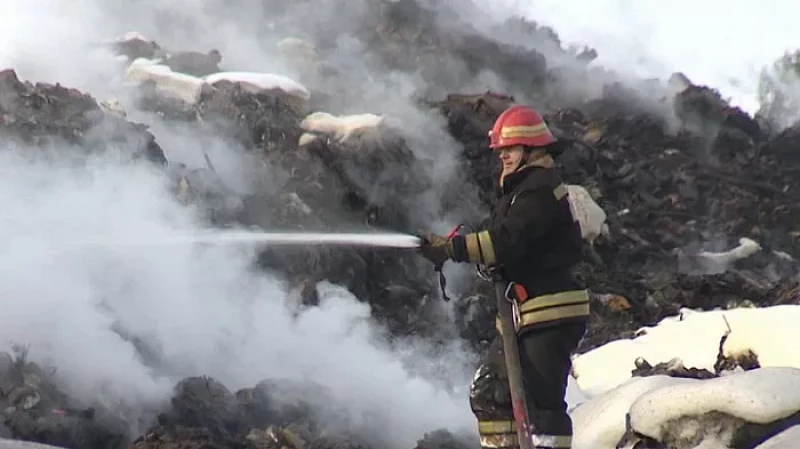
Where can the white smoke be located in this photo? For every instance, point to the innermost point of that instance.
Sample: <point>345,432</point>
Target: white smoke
<point>202,308</point>
<point>723,44</point>
<point>199,309</point>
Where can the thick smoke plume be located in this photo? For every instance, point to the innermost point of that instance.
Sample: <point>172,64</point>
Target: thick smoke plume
<point>192,309</point>
<point>129,322</point>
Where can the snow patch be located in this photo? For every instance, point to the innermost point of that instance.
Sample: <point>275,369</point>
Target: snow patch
<point>172,84</point>
<point>306,138</point>
<point>114,106</point>
<point>759,396</point>
<point>342,127</point>
<point>256,82</point>
<point>134,36</point>
<point>656,403</point>
<point>600,422</point>
<point>770,333</point>
<point>707,262</point>
<point>592,218</point>
<point>747,247</point>
<point>20,444</point>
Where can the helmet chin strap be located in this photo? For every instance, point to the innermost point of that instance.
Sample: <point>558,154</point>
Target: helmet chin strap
<point>527,157</point>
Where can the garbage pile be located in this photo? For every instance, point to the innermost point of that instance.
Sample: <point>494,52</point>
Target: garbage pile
<point>677,174</point>
<point>700,210</point>
<point>681,175</point>
<point>42,115</point>
<point>202,413</point>
<point>32,408</point>
<point>272,414</point>
<point>698,196</point>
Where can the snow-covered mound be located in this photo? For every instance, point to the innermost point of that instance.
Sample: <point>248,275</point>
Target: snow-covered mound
<point>737,409</point>
<point>688,413</point>
<point>760,396</point>
<point>341,128</point>
<point>600,422</point>
<point>185,87</point>
<point>771,334</point>
<point>256,82</point>
<point>190,88</point>
<point>19,444</point>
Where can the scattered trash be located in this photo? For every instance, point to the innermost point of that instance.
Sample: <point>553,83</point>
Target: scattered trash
<point>663,187</point>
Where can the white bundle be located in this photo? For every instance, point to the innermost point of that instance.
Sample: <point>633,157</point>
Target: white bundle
<point>172,84</point>
<point>342,127</point>
<point>592,218</point>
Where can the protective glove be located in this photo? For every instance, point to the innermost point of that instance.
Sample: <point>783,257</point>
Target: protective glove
<point>436,248</point>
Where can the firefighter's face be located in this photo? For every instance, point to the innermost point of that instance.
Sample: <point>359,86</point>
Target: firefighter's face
<point>510,157</point>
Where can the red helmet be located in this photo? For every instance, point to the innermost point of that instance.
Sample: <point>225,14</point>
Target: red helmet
<point>520,125</point>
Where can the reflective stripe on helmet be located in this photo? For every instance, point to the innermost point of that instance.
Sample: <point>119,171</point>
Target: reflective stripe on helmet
<point>508,132</point>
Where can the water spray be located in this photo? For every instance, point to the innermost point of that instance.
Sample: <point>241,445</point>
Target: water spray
<point>387,240</point>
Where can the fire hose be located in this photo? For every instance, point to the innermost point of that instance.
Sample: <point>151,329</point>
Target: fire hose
<point>506,313</point>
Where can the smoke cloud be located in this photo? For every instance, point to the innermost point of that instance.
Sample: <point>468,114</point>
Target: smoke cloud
<point>724,50</point>
<point>198,310</point>
<point>203,309</point>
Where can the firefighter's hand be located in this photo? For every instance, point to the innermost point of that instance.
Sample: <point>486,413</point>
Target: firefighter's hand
<point>435,248</point>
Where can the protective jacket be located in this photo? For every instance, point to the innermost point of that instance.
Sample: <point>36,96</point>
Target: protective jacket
<point>534,238</point>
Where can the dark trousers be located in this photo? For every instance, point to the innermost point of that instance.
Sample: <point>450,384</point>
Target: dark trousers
<point>546,364</point>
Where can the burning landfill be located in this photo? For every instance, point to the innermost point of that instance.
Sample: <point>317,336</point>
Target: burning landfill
<point>378,122</point>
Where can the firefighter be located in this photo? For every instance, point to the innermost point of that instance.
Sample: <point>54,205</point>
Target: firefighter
<point>534,241</point>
